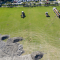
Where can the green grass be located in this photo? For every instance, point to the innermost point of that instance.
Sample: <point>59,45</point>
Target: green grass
<point>40,33</point>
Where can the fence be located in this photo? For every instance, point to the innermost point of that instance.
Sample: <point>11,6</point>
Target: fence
<point>29,4</point>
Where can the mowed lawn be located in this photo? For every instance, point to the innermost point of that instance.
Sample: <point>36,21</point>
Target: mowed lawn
<point>40,33</point>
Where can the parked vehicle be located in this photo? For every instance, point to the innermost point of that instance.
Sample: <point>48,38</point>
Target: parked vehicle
<point>15,1</point>
<point>18,1</point>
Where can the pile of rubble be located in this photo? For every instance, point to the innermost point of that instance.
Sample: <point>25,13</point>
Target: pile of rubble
<point>12,50</point>
<point>34,56</point>
<point>11,47</point>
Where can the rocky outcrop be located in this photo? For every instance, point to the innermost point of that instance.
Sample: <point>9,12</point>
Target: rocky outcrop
<point>37,55</point>
<point>14,39</point>
<point>3,37</point>
<point>24,57</point>
<point>12,50</point>
<point>11,47</point>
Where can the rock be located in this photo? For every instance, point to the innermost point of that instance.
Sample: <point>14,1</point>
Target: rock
<point>24,57</point>
<point>17,39</point>
<point>3,37</point>
<point>10,48</point>
<point>37,55</point>
<point>14,40</point>
<point>2,54</point>
<point>2,44</point>
<point>9,41</point>
<point>0,35</point>
<point>13,49</point>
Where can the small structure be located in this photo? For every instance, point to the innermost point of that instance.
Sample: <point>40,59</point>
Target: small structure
<point>56,11</point>
<point>47,15</point>
<point>23,14</point>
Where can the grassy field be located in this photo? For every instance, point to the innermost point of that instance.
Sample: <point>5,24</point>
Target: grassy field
<point>40,33</point>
